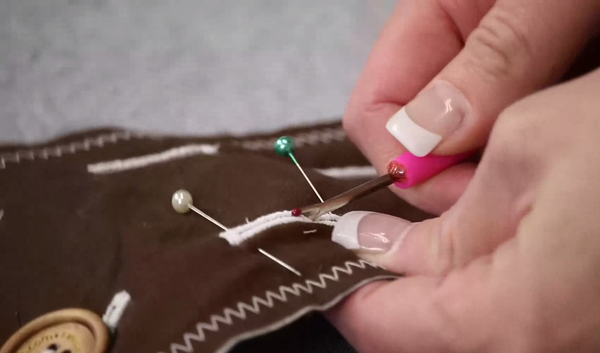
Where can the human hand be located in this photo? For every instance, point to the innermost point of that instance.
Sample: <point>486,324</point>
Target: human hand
<point>513,265</point>
<point>475,58</point>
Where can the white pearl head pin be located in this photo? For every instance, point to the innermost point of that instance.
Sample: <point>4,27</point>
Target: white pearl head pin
<point>181,201</point>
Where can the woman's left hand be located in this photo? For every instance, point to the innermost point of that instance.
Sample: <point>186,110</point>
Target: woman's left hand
<point>514,265</point>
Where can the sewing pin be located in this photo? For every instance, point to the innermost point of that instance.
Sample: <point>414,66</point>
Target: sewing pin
<point>18,319</point>
<point>182,202</point>
<point>284,146</point>
<point>290,268</point>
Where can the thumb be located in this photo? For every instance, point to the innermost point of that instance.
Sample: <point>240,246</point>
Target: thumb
<point>517,48</point>
<point>468,230</point>
<point>429,248</point>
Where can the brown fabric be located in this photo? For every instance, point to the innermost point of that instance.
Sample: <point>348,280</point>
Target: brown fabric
<point>69,238</point>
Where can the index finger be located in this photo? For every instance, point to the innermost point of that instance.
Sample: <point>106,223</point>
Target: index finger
<point>419,40</point>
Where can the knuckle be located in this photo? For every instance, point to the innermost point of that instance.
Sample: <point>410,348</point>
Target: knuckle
<point>499,46</point>
<point>356,119</point>
<point>519,145</point>
<point>363,121</point>
<point>513,136</point>
<point>352,124</point>
<point>512,121</point>
<point>446,240</point>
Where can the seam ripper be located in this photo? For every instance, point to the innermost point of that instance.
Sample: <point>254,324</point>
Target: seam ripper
<point>404,172</point>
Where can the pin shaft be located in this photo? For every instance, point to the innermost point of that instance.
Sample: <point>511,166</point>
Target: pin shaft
<point>18,319</point>
<point>290,268</point>
<point>209,218</point>
<point>305,176</point>
<point>218,224</point>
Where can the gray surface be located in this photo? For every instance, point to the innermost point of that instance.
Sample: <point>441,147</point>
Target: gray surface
<point>182,66</point>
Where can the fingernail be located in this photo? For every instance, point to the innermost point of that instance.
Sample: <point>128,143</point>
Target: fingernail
<point>369,231</point>
<point>433,115</point>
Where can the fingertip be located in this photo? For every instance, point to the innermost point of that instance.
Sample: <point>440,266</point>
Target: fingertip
<point>436,113</point>
<point>393,243</point>
<point>372,235</point>
<point>345,231</point>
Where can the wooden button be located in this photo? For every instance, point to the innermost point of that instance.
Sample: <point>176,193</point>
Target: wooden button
<point>64,331</point>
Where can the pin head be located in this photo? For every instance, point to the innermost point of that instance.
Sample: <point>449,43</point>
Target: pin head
<point>296,212</point>
<point>397,171</point>
<point>181,201</point>
<point>284,146</point>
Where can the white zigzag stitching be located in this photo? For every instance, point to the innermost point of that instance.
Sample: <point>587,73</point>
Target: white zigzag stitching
<point>306,138</point>
<point>59,151</point>
<point>268,301</point>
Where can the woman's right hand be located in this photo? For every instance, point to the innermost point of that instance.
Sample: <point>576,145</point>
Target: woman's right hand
<point>465,61</point>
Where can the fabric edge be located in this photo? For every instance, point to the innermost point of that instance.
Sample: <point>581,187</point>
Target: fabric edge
<point>228,345</point>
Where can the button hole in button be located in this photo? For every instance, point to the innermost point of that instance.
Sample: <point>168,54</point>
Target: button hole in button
<point>51,348</point>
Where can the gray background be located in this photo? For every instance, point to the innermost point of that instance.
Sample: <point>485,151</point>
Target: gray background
<point>181,66</point>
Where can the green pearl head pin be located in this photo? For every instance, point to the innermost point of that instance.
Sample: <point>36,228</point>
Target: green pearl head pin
<point>284,146</point>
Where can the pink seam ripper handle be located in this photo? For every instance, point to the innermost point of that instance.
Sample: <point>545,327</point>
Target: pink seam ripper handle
<point>420,169</point>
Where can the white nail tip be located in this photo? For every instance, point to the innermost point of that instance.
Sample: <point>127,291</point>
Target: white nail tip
<point>345,230</point>
<point>416,139</point>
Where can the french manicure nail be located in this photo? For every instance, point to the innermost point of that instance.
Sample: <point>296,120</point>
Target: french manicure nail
<point>368,231</point>
<point>433,115</point>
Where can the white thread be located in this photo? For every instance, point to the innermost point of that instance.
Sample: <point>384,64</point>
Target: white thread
<point>312,137</point>
<point>115,309</point>
<point>309,231</point>
<point>269,299</point>
<point>120,165</point>
<point>61,150</point>
<point>237,235</point>
<point>282,214</point>
<point>352,172</point>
